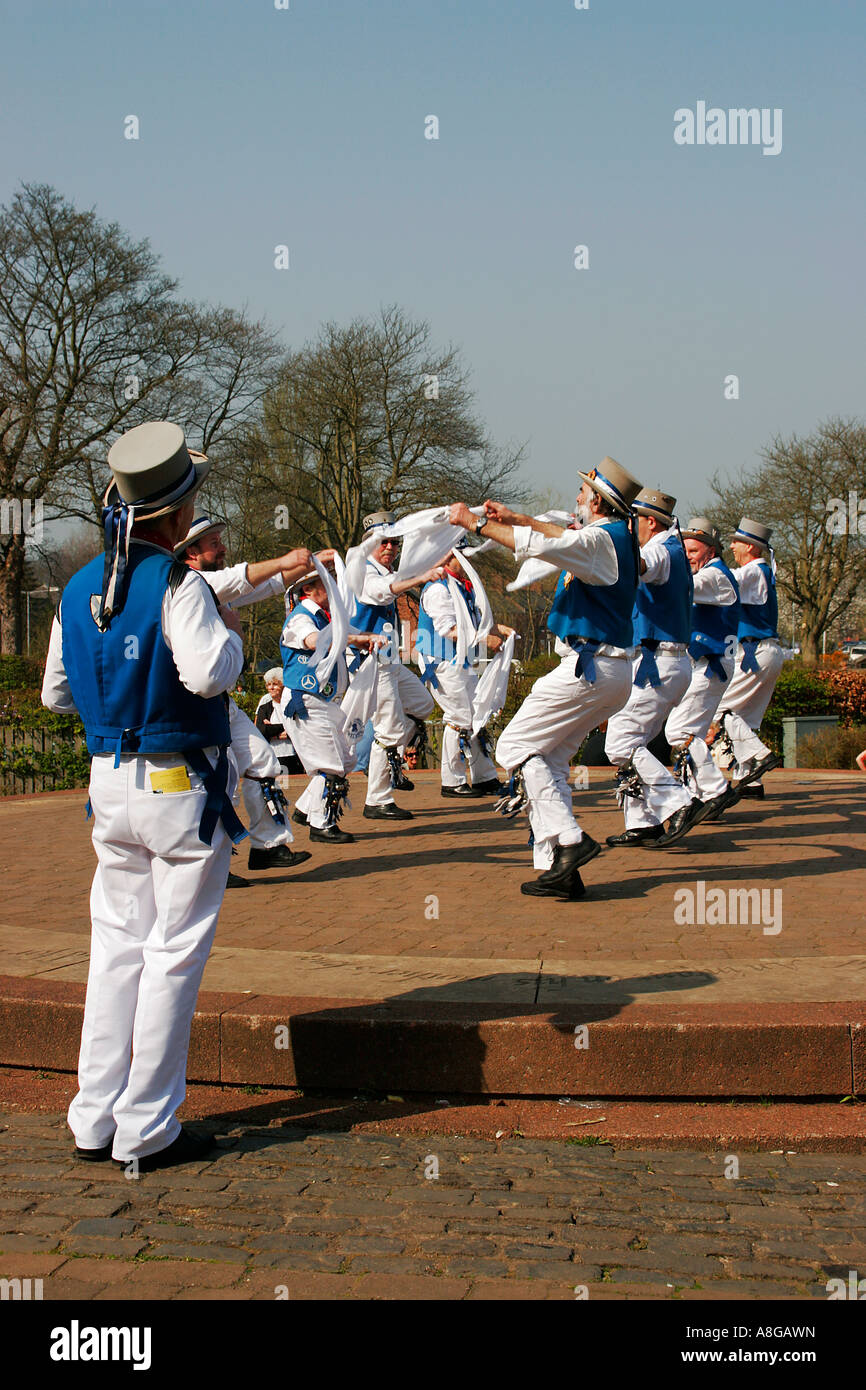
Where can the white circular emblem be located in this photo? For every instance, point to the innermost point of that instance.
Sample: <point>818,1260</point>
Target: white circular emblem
<point>308,682</point>
<point>303,660</point>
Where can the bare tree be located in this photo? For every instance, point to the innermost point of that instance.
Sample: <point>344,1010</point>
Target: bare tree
<point>370,416</point>
<point>92,342</point>
<point>802,490</point>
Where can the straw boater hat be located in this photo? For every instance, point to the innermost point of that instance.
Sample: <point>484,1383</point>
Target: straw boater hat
<point>153,474</point>
<point>614,483</point>
<point>652,502</point>
<point>753,533</point>
<point>311,577</point>
<point>700,528</point>
<point>200,526</point>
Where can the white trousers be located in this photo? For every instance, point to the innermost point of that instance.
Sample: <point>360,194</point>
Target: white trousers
<point>454,697</point>
<point>401,699</point>
<point>546,732</point>
<point>254,755</point>
<point>746,698</point>
<point>636,725</point>
<point>154,904</point>
<point>691,719</point>
<point>321,744</point>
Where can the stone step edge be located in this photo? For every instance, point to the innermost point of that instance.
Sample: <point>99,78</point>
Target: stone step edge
<point>633,1049</point>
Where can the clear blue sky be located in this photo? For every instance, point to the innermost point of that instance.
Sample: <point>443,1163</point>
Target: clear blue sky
<point>262,126</point>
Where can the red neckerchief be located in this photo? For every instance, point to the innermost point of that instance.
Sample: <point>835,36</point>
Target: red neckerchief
<point>465,583</point>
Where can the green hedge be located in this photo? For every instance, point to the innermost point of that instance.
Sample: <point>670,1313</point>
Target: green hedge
<point>20,673</point>
<point>799,690</point>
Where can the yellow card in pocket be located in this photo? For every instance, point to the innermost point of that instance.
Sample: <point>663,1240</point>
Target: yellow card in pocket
<point>171,779</point>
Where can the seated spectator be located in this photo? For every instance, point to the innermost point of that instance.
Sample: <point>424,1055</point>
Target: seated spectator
<point>269,721</point>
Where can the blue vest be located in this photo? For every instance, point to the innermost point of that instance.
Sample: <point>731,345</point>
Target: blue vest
<point>595,612</point>
<point>298,674</point>
<point>372,617</point>
<point>430,643</point>
<point>761,619</point>
<point>124,681</point>
<point>713,624</point>
<point>663,612</point>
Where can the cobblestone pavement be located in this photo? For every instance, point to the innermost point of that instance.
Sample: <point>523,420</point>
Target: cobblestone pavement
<point>281,1212</point>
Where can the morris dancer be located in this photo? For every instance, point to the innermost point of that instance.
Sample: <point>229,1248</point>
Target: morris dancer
<point>464,754</point>
<point>312,711</point>
<point>715,616</point>
<point>202,549</point>
<point>142,652</point>
<point>649,794</point>
<point>591,618</point>
<point>403,703</point>
<point>759,657</point>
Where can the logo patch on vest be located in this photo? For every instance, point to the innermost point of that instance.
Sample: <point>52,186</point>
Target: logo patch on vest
<point>308,682</point>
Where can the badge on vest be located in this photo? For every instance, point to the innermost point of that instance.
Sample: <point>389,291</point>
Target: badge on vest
<point>95,604</point>
<point>308,682</point>
<point>171,779</point>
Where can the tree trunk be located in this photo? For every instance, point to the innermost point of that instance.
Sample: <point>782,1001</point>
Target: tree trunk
<point>809,646</point>
<point>11,584</point>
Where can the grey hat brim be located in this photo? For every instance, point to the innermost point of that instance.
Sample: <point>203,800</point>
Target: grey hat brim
<point>113,498</point>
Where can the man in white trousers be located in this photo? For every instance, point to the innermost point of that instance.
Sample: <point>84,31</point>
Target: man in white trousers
<point>402,702</point>
<point>649,793</point>
<point>592,621</point>
<point>141,650</point>
<point>759,656</point>
<point>466,767</point>
<point>715,616</point>
<point>239,586</point>
<point>311,710</point>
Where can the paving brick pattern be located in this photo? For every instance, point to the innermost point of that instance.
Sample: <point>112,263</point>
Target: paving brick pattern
<point>804,838</point>
<point>281,1212</point>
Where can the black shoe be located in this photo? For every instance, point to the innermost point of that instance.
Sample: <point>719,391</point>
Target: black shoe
<point>235,882</point>
<point>569,891</point>
<point>299,818</point>
<point>755,769</point>
<point>712,809</point>
<point>94,1155</point>
<point>280,857</point>
<point>465,791</point>
<point>567,858</point>
<point>642,836</point>
<point>186,1148</point>
<point>403,784</point>
<point>333,835</point>
<point>491,788</point>
<point>389,811</point>
<point>753,790</point>
<point>679,825</point>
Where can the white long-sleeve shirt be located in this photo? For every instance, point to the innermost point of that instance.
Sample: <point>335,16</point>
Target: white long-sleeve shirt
<point>208,656</point>
<point>657,558</point>
<point>588,553</point>
<point>752,582</point>
<point>377,584</point>
<point>712,586</point>
<point>437,602</point>
<point>232,586</point>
